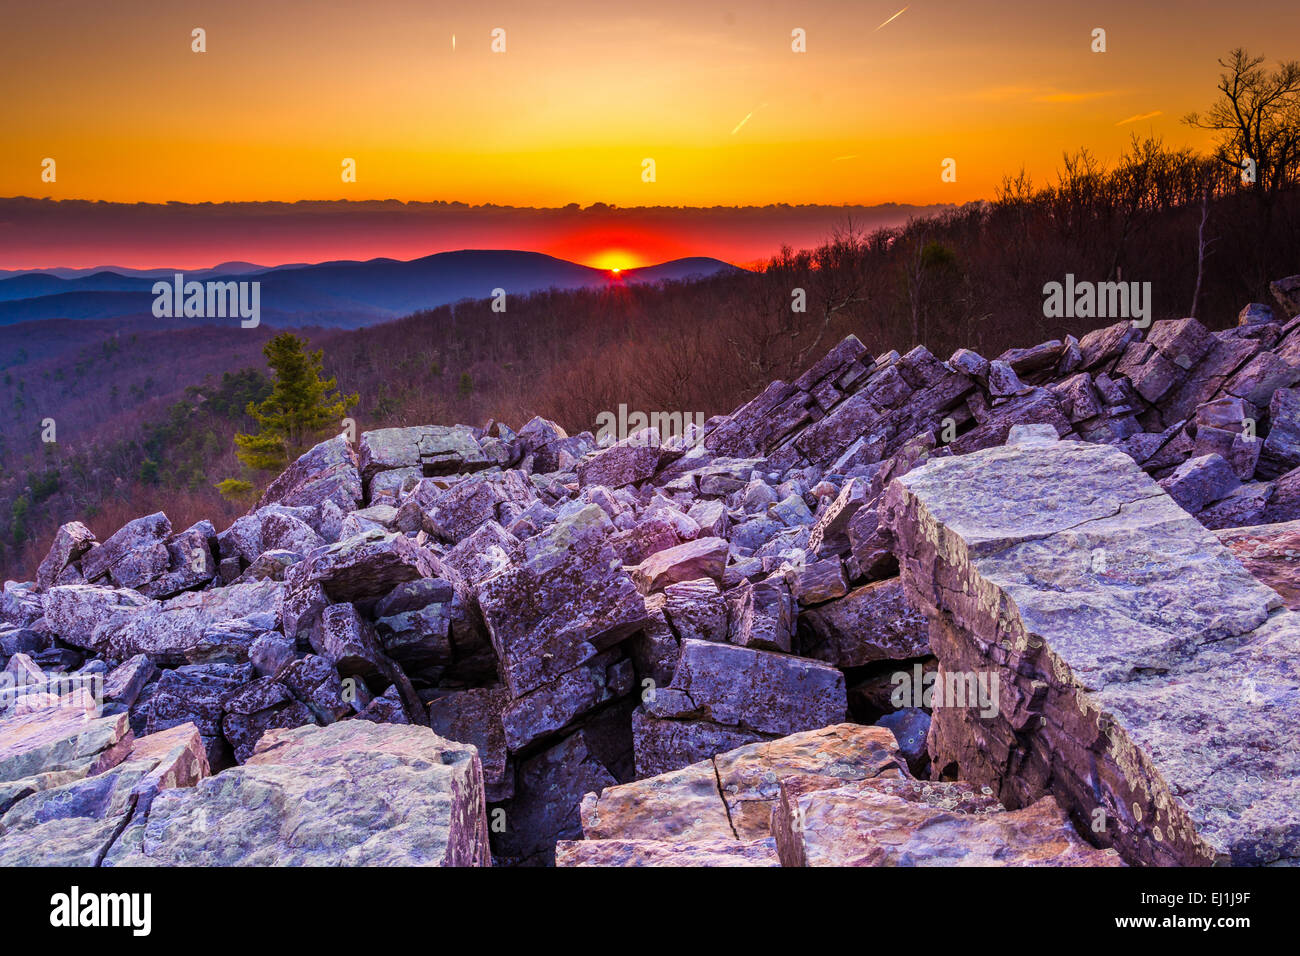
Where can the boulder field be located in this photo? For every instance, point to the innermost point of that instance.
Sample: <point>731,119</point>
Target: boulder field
<point>1034,610</point>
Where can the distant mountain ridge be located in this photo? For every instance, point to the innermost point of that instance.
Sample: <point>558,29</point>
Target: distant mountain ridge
<point>345,293</point>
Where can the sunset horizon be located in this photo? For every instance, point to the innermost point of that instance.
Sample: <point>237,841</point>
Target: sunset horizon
<point>830,105</point>
<point>78,234</point>
<point>527,434</point>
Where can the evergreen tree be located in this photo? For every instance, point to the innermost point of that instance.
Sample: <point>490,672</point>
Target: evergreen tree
<point>300,408</point>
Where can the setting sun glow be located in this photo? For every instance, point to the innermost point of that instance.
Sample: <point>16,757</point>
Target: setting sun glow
<point>614,260</point>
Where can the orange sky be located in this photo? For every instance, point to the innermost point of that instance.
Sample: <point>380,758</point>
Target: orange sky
<point>585,91</point>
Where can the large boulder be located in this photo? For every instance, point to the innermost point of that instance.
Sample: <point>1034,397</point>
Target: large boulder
<point>434,449</point>
<point>71,542</point>
<point>760,691</point>
<point>354,793</point>
<point>76,822</point>
<point>473,716</point>
<point>327,472</point>
<point>84,615</point>
<point>1135,658</point>
<point>568,601</point>
<point>54,744</point>
<point>135,554</point>
<point>630,461</point>
<point>729,798</point>
<point>367,565</point>
<point>870,623</point>
<point>195,627</point>
<point>891,822</point>
<point>701,558</point>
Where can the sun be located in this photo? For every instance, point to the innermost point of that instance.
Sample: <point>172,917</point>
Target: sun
<point>614,261</point>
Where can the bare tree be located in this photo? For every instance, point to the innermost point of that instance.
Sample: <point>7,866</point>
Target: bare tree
<point>1258,119</point>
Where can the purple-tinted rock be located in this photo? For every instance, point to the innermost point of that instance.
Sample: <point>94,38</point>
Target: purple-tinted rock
<point>663,745</point>
<point>327,472</point>
<point>911,727</point>
<point>545,807</point>
<point>871,623</point>
<point>135,554</point>
<point>387,708</point>
<point>218,624</point>
<point>1238,450</point>
<point>84,614</point>
<point>347,640</point>
<point>558,703</point>
<point>474,717</point>
<point>1281,449</point>
<point>71,541</point>
<point>1038,406</point>
<point>256,708</point>
<point>701,558</point>
<point>830,532</point>
<point>365,566</point>
<point>568,602</point>
<point>1245,505</point>
<point>1284,505</point>
<point>756,427</point>
<point>696,610</point>
<point>757,690</point>
<point>1261,377</point>
<point>1199,482</point>
<point>1079,400</point>
<point>761,614</point>
<point>818,582</point>
<point>484,552</point>
<point>1102,345</point>
<point>282,531</point>
<point>125,682</point>
<point>630,461</point>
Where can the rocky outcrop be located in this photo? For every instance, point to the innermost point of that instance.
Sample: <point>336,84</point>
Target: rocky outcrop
<point>586,617</point>
<point>1143,676</point>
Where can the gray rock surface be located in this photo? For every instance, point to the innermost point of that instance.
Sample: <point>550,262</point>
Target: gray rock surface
<point>355,793</point>
<point>1135,654</point>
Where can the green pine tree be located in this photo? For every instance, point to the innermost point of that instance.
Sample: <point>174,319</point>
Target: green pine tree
<point>300,408</point>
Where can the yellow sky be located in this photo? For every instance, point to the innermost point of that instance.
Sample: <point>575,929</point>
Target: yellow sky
<point>584,92</point>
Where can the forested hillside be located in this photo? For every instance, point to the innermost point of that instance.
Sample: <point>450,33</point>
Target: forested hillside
<point>145,416</point>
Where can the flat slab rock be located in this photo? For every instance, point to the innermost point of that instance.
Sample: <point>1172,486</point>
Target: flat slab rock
<point>75,822</point>
<point>367,565</point>
<point>354,793</point>
<point>660,745</point>
<point>729,798</point>
<point>60,739</point>
<point>914,823</point>
<point>1144,673</point>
